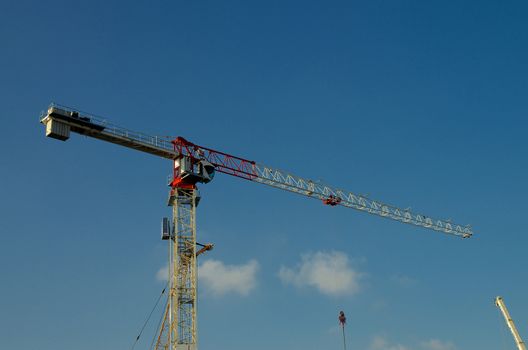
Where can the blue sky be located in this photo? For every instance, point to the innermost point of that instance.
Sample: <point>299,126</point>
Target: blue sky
<point>419,104</point>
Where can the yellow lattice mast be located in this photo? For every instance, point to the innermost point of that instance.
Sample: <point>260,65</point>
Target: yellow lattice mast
<point>182,296</point>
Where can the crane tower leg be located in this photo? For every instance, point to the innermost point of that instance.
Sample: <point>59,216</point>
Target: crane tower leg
<point>178,330</point>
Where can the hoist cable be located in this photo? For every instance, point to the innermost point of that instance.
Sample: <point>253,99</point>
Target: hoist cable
<point>150,315</point>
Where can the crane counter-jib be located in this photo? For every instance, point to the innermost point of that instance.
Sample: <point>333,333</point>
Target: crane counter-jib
<point>60,122</point>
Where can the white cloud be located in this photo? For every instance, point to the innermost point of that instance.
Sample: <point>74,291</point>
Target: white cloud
<point>380,343</point>
<point>218,279</point>
<point>435,344</point>
<point>163,274</point>
<point>329,272</point>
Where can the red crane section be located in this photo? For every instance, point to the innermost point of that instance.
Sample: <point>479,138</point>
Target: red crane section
<point>222,162</point>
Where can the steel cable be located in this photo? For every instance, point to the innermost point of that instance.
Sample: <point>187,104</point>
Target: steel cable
<point>149,316</point>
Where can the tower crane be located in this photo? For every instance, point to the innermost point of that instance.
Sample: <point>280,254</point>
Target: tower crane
<point>193,164</point>
<point>499,302</point>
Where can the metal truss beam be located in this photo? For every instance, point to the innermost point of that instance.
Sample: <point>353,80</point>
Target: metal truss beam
<point>89,125</point>
<point>178,330</point>
<point>289,182</point>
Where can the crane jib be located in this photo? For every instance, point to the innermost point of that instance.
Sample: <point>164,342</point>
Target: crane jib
<point>60,120</point>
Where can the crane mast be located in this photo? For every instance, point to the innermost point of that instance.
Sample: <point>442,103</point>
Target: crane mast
<point>499,302</point>
<point>182,296</point>
<point>193,164</point>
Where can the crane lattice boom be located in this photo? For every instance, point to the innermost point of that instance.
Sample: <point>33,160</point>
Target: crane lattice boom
<point>60,120</point>
<point>499,302</point>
